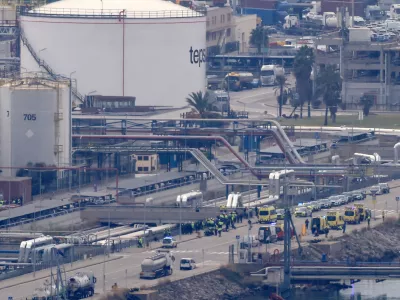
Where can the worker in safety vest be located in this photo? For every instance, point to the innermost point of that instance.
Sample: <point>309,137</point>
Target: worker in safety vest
<point>220,225</point>
<point>369,220</point>
<point>140,242</point>
<point>233,218</point>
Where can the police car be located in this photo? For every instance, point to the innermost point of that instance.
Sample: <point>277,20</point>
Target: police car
<point>169,242</point>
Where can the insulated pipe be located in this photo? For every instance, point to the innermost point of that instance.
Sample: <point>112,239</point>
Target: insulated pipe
<point>396,153</point>
<point>358,155</point>
<point>254,171</point>
<point>193,137</point>
<point>335,159</point>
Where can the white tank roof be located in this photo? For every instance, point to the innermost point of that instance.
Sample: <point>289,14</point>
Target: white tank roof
<point>134,8</point>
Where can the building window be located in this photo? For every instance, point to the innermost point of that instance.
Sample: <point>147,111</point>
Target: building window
<point>229,17</point>
<point>214,36</point>
<point>140,157</point>
<point>140,169</point>
<point>207,36</point>
<point>214,20</point>
<point>222,18</point>
<point>146,169</point>
<point>208,22</point>
<point>228,32</point>
<point>145,158</point>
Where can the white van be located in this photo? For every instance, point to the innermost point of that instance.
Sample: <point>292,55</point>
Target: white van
<point>269,73</point>
<point>187,264</point>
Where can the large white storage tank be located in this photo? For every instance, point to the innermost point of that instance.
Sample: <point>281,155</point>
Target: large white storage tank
<point>34,123</point>
<point>151,49</point>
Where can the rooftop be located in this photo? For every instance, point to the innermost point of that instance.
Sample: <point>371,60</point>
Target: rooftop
<point>131,9</point>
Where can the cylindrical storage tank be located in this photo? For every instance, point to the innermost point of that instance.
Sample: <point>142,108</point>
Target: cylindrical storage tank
<point>151,49</point>
<point>35,125</point>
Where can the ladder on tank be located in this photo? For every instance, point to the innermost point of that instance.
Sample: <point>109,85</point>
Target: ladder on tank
<point>45,66</point>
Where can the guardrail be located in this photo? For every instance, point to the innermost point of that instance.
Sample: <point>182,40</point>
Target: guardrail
<point>111,13</point>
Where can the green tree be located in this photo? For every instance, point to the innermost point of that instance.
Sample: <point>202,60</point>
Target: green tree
<point>367,101</point>
<point>259,38</point>
<point>302,67</point>
<point>329,86</point>
<point>282,88</point>
<point>199,101</point>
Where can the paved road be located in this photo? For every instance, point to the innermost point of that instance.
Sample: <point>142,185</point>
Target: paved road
<point>212,250</point>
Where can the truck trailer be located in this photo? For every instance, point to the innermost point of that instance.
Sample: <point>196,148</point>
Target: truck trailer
<point>79,286</point>
<point>159,265</point>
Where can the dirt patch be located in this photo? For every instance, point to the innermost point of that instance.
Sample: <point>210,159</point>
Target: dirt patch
<point>378,244</point>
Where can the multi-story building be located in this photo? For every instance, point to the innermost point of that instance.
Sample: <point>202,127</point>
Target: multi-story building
<point>367,68</point>
<point>146,163</point>
<point>244,25</point>
<point>220,29</point>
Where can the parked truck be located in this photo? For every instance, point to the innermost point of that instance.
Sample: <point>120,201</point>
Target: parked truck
<point>79,286</point>
<point>158,265</point>
<point>237,81</point>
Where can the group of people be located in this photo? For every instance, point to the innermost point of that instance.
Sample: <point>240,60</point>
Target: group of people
<point>216,225</point>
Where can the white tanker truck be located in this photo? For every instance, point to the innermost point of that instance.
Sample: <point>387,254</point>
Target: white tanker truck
<point>157,266</point>
<point>79,286</point>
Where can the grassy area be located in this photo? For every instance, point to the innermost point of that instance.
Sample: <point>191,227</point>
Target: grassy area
<point>391,121</point>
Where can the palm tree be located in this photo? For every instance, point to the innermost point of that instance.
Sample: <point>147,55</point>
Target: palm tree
<point>199,102</point>
<point>302,67</point>
<point>282,87</point>
<point>367,101</point>
<point>329,86</point>
<point>259,38</point>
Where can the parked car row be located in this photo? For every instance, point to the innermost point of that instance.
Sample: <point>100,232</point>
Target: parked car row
<point>306,209</point>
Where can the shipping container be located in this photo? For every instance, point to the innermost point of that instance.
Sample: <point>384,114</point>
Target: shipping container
<point>268,16</point>
<point>262,4</point>
<point>331,6</point>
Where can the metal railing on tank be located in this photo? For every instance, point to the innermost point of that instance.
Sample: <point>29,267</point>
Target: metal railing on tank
<point>110,13</point>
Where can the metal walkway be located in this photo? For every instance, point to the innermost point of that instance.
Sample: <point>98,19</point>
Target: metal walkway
<point>128,214</point>
<point>106,124</point>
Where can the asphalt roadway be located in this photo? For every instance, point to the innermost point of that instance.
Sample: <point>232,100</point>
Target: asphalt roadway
<point>209,253</point>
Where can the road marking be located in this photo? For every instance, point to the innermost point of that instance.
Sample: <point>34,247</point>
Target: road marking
<point>192,251</point>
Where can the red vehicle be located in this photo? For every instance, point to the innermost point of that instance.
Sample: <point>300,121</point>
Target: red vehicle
<point>280,234</point>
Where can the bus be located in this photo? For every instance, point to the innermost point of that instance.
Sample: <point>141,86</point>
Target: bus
<point>222,64</point>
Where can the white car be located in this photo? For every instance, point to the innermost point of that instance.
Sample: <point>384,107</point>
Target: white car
<point>169,242</point>
<point>376,189</point>
<point>187,264</point>
<point>336,200</point>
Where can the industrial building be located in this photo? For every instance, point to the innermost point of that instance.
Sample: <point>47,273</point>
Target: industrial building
<point>119,48</point>
<point>367,68</point>
<point>34,123</point>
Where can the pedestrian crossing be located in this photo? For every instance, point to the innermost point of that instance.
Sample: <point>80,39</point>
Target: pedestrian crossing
<point>193,251</point>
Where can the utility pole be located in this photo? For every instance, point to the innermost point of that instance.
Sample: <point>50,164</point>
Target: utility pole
<point>287,245</point>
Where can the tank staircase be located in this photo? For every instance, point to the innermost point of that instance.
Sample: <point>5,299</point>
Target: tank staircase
<point>46,66</point>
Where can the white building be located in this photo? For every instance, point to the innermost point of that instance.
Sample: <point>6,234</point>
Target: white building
<point>153,50</point>
<point>244,25</point>
<point>34,123</point>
